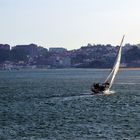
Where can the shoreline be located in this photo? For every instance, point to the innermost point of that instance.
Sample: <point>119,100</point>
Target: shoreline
<point>127,68</point>
<point>133,68</point>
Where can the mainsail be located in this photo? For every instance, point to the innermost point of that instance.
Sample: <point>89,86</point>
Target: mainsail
<point>116,66</point>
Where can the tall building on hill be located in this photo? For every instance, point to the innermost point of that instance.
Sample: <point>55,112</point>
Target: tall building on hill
<point>4,52</point>
<point>29,49</point>
<point>5,47</point>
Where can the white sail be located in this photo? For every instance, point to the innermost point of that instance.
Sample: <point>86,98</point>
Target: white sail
<point>115,68</point>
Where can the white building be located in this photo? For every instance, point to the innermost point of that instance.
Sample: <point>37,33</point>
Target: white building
<point>57,50</point>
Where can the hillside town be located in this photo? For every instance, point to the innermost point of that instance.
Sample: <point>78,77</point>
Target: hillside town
<point>89,56</point>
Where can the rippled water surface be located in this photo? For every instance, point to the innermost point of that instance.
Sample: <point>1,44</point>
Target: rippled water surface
<point>57,105</point>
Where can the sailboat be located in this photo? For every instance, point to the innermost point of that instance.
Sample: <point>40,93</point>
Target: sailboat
<point>107,84</point>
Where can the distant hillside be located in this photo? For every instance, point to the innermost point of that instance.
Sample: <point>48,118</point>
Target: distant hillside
<point>90,56</point>
<point>103,56</point>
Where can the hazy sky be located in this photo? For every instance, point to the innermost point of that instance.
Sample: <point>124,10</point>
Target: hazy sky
<point>69,23</point>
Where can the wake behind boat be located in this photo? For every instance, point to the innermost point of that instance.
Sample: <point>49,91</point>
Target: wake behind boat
<point>107,84</point>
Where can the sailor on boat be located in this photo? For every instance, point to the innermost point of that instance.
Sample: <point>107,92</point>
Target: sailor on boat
<point>97,87</point>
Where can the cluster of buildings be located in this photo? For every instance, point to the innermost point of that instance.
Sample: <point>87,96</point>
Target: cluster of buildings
<point>32,56</point>
<point>90,56</point>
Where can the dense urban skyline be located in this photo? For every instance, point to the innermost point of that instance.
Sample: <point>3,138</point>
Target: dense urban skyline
<point>69,23</point>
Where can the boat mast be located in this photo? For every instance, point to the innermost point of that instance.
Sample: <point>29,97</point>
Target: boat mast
<point>116,66</point>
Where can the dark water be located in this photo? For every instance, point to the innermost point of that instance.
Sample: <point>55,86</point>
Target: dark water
<point>57,105</point>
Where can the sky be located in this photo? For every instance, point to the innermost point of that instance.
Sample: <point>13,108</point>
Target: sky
<point>69,23</point>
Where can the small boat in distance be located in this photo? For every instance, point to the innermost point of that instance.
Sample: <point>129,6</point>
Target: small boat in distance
<point>107,84</point>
